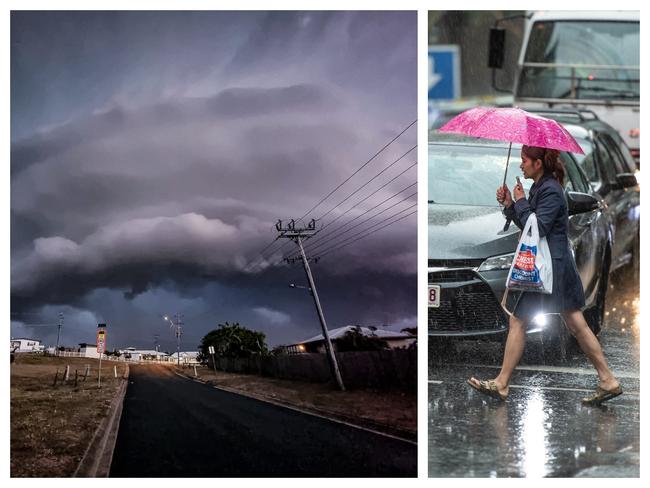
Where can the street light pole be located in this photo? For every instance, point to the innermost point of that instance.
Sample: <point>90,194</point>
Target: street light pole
<point>177,325</point>
<point>58,334</point>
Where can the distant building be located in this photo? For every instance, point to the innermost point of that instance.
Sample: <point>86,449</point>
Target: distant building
<point>394,339</point>
<point>187,358</point>
<point>133,354</point>
<point>22,344</point>
<point>87,350</point>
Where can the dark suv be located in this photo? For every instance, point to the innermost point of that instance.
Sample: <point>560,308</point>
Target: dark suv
<point>470,253</point>
<point>611,170</point>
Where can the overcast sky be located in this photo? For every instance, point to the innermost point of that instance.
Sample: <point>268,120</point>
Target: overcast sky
<point>153,152</point>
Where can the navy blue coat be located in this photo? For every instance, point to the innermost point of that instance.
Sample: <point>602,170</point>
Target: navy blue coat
<point>546,199</point>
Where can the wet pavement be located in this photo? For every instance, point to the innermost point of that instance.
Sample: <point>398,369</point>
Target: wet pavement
<point>542,430</point>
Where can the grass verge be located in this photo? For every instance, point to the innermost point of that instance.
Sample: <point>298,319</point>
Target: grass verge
<point>51,426</point>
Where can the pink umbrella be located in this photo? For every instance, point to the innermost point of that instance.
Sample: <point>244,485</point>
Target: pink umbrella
<point>511,124</point>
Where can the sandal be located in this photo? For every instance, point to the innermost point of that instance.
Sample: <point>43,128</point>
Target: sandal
<point>600,395</point>
<point>488,388</point>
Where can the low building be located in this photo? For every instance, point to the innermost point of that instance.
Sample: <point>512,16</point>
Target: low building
<point>133,354</point>
<point>186,358</point>
<point>22,344</point>
<point>394,339</point>
<point>87,350</point>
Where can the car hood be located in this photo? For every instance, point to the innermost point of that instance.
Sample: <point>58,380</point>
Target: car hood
<point>469,232</point>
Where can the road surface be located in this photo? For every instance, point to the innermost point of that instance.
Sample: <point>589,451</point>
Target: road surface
<point>542,430</point>
<point>175,427</point>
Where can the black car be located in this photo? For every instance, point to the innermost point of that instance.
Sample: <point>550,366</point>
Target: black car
<point>611,171</point>
<point>470,252</point>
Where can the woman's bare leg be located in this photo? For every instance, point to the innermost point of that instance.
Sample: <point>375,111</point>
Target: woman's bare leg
<point>512,355</point>
<point>589,344</point>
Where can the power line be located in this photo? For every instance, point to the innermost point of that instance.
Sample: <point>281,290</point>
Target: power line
<point>373,225</point>
<point>360,188</point>
<point>253,263</point>
<point>328,251</point>
<point>359,169</point>
<point>368,182</point>
<point>315,242</point>
<point>326,242</point>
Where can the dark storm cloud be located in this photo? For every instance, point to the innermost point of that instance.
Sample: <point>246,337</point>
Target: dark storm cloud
<point>169,173</point>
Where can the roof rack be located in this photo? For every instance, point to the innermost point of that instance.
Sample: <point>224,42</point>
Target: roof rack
<point>576,112</point>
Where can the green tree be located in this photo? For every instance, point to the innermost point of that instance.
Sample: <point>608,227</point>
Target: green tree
<point>232,341</point>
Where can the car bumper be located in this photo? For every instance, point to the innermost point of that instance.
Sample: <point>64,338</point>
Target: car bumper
<point>469,303</point>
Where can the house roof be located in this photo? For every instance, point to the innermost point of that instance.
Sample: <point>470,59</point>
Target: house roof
<point>24,339</point>
<point>341,331</point>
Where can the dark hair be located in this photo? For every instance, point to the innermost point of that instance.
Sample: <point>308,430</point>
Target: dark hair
<point>550,158</point>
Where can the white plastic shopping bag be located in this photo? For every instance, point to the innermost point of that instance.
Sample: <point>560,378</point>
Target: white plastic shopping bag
<point>532,266</point>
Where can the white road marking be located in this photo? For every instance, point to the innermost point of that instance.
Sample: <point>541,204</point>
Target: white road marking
<point>555,369</point>
<point>555,388</point>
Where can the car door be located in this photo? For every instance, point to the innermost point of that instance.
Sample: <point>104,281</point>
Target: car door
<point>623,203</point>
<point>587,231</point>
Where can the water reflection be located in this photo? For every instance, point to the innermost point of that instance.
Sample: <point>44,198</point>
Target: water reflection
<point>533,439</point>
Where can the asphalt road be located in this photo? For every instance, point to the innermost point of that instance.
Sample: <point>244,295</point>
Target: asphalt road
<point>542,430</point>
<point>175,427</point>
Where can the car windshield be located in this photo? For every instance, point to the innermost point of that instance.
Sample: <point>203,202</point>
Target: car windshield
<point>592,60</point>
<point>461,174</point>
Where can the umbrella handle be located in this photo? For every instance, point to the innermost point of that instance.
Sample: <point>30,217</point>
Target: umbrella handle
<point>507,224</point>
<point>507,164</point>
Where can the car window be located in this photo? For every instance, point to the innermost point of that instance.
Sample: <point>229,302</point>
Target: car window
<point>606,163</point>
<point>620,162</point>
<point>617,159</point>
<point>587,161</point>
<point>575,180</point>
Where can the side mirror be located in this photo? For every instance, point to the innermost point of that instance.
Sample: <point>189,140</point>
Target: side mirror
<point>627,180</point>
<point>581,202</point>
<point>497,51</point>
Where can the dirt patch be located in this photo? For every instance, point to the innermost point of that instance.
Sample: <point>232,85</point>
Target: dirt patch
<point>388,411</point>
<point>51,426</point>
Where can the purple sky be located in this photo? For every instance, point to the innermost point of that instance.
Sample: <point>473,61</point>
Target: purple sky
<point>152,154</point>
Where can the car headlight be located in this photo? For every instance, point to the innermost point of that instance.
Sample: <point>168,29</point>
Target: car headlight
<point>497,262</point>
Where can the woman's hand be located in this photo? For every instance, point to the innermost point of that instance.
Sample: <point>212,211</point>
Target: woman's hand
<point>518,190</point>
<point>503,196</point>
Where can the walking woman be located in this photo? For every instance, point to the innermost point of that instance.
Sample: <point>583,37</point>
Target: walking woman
<point>546,200</point>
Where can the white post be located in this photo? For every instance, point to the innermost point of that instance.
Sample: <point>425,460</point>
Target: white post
<point>195,375</point>
<point>115,370</point>
<point>67,372</point>
<point>99,375</point>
